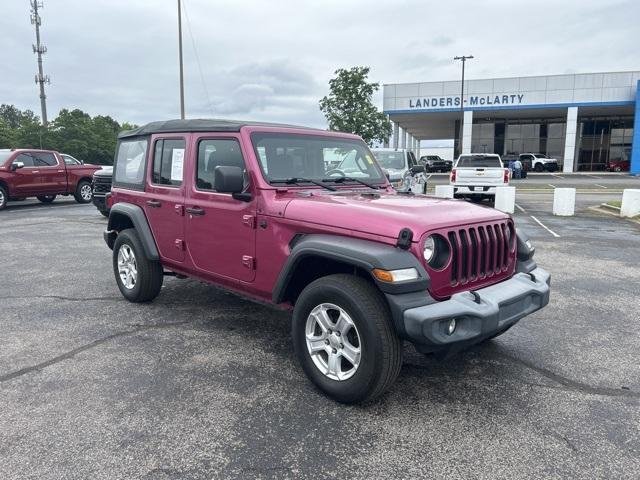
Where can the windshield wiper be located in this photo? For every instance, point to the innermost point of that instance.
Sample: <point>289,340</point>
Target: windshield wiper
<point>350,179</point>
<point>298,180</point>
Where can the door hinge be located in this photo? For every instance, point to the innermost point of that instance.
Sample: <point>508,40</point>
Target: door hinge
<point>179,243</point>
<point>249,221</point>
<point>249,262</point>
<point>179,209</point>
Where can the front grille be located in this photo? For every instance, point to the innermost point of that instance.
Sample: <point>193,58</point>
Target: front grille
<point>101,184</point>
<point>479,252</point>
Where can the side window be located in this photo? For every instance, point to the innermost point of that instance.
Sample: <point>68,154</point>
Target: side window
<point>130,163</point>
<point>168,162</point>
<point>214,153</point>
<point>43,159</point>
<point>69,160</point>
<point>25,158</point>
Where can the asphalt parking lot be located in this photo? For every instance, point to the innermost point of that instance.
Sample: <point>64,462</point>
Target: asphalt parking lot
<point>202,384</point>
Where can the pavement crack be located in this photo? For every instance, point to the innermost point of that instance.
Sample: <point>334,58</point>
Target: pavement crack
<point>573,384</point>
<point>84,348</point>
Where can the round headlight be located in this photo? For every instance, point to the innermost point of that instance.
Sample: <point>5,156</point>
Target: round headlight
<point>429,248</point>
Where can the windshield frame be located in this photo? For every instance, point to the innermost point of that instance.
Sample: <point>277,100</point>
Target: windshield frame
<point>382,181</point>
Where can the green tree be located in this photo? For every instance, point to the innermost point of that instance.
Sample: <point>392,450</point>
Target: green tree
<point>348,107</point>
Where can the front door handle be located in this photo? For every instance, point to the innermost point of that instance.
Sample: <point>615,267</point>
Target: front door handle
<point>154,203</point>
<point>195,211</point>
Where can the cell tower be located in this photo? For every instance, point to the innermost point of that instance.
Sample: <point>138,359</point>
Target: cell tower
<point>40,50</point>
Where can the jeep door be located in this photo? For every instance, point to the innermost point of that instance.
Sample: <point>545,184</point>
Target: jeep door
<point>220,229</point>
<point>164,194</point>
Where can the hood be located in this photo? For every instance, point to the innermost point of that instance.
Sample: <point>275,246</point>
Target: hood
<point>105,171</point>
<point>383,213</point>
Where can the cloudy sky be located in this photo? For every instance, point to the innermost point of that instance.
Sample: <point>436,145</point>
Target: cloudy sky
<point>272,59</point>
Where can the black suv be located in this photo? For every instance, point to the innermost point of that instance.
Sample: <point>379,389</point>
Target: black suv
<point>433,163</point>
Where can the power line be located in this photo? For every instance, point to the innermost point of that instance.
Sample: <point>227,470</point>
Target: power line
<point>40,50</point>
<point>195,51</point>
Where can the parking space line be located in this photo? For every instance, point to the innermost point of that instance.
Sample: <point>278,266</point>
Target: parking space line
<point>520,208</point>
<point>601,186</point>
<point>551,185</point>
<point>545,227</point>
<point>557,176</point>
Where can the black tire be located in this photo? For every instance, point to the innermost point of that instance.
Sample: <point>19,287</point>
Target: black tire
<point>81,190</point>
<point>105,213</point>
<point>149,273</point>
<point>47,198</point>
<point>381,349</point>
<point>539,167</point>
<point>4,197</point>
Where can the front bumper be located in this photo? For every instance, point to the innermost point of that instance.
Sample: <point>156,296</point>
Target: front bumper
<point>490,311</point>
<point>100,201</point>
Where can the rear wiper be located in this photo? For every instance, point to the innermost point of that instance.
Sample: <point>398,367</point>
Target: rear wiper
<point>350,179</point>
<point>298,180</point>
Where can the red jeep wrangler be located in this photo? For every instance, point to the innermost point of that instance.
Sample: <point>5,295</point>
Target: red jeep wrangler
<point>306,220</point>
<point>43,174</point>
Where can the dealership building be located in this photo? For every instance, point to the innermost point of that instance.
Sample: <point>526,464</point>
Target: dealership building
<point>589,122</point>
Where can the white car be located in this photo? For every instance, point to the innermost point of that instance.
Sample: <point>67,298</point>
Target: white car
<point>397,162</point>
<point>539,162</point>
<point>476,176</point>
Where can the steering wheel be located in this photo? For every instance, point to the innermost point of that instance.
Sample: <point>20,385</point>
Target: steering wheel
<point>334,172</point>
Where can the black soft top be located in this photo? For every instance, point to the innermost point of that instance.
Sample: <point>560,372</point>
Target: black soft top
<point>196,125</point>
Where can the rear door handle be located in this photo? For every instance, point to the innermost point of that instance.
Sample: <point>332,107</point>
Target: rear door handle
<point>154,203</point>
<point>35,171</point>
<point>195,211</point>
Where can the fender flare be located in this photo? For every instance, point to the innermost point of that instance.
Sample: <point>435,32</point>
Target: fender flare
<point>364,254</point>
<point>140,223</point>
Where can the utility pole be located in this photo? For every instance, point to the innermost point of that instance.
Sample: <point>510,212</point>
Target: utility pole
<point>464,59</point>
<point>180,55</point>
<point>40,50</point>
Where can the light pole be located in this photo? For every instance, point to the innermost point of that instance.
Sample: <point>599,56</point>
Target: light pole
<point>180,56</point>
<point>464,59</point>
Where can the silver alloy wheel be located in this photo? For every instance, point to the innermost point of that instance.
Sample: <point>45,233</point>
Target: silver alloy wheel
<point>86,193</point>
<point>2,199</point>
<point>127,266</point>
<point>333,341</point>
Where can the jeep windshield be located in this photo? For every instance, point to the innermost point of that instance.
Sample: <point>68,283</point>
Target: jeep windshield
<point>482,161</point>
<point>314,158</point>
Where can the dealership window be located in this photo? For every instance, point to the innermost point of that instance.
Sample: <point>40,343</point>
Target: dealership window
<point>604,143</point>
<point>482,138</point>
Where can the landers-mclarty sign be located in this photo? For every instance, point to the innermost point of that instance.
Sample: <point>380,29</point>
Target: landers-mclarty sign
<point>472,100</point>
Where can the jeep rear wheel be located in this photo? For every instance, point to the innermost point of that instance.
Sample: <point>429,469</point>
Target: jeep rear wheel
<point>84,193</point>
<point>47,198</point>
<point>344,338</point>
<point>138,278</point>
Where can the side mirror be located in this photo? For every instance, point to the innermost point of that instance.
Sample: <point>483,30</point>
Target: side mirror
<point>417,169</point>
<point>231,180</point>
<point>16,165</point>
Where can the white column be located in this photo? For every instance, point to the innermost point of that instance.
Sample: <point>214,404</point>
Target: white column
<point>403,138</point>
<point>570,140</point>
<point>395,134</point>
<point>417,151</point>
<point>410,142</point>
<point>467,125</point>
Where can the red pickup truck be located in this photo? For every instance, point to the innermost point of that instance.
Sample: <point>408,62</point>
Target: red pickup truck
<point>43,174</point>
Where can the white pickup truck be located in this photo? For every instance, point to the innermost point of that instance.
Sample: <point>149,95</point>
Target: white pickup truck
<point>476,176</point>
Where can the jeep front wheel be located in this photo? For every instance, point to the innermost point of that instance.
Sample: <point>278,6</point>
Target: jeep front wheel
<point>344,338</point>
<point>138,278</point>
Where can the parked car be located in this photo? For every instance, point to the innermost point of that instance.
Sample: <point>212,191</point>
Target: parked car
<point>397,163</point>
<point>433,163</point>
<point>101,186</point>
<point>360,266</point>
<point>476,176</point>
<point>43,174</point>
<point>539,162</point>
<point>619,165</point>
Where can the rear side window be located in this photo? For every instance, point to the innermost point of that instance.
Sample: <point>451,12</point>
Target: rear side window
<point>168,162</point>
<point>131,160</point>
<point>216,153</point>
<point>43,159</point>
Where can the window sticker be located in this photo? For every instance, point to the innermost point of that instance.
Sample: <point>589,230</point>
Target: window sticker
<point>369,159</point>
<point>177,164</point>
